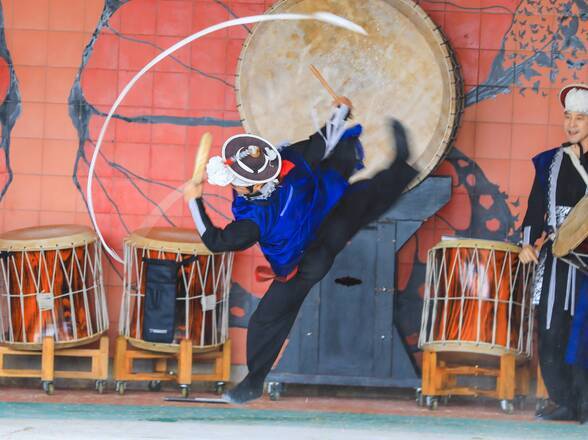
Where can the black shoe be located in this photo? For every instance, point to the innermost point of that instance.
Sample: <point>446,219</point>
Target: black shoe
<point>583,412</point>
<point>399,133</point>
<point>549,407</point>
<point>245,392</point>
<point>561,413</point>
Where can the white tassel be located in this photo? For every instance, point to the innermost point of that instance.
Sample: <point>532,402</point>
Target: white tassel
<point>219,172</point>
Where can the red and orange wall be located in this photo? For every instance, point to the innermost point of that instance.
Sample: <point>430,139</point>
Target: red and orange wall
<point>63,62</point>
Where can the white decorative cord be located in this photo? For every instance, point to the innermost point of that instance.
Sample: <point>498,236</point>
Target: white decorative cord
<point>324,17</point>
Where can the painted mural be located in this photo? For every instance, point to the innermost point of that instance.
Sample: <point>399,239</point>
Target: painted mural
<point>63,64</point>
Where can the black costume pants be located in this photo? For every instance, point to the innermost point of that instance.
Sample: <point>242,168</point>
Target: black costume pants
<point>564,383</point>
<point>274,317</point>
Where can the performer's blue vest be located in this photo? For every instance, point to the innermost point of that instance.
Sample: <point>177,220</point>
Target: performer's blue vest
<point>542,163</point>
<point>289,218</point>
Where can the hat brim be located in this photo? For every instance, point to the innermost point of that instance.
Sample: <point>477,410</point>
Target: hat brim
<point>564,92</point>
<point>250,169</point>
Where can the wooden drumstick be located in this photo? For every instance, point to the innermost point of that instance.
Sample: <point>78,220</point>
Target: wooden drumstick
<point>202,157</point>
<point>193,188</point>
<point>323,81</point>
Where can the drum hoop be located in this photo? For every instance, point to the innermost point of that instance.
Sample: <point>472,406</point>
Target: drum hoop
<point>559,247</point>
<point>58,345</point>
<point>141,240</point>
<point>477,243</point>
<point>84,237</point>
<point>170,348</point>
<point>456,92</point>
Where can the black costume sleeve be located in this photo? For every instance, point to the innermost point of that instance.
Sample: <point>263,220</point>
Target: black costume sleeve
<point>313,149</point>
<point>536,210</point>
<point>236,236</point>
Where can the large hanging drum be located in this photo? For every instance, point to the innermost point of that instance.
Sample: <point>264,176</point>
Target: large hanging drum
<point>477,299</point>
<point>403,69</point>
<point>51,285</point>
<point>201,288</point>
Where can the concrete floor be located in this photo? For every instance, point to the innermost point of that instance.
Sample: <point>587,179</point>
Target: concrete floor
<point>27,413</point>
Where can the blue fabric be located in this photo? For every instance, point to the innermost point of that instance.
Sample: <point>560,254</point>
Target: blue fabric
<point>577,351</point>
<point>542,163</point>
<point>289,218</point>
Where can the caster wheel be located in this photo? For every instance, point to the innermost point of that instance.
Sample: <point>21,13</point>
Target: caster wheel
<point>520,402</point>
<point>274,390</point>
<point>432,402</point>
<point>120,387</point>
<point>154,385</point>
<point>49,388</point>
<point>185,390</point>
<point>100,386</point>
<point>420,399</point>
<point>507,406</point>
<point>219,388</point>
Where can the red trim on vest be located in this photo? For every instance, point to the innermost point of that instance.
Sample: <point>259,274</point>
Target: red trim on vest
<point>287,166</point>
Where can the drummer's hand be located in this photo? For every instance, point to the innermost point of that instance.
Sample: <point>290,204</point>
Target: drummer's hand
<point>343,100</point>
<point>528,254</point>
<point>192,190</point>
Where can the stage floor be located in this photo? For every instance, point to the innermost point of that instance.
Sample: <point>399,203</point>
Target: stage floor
<point>82,414</point>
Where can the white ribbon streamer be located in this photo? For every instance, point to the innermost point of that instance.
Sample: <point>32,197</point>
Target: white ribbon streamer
<point>324,17</point>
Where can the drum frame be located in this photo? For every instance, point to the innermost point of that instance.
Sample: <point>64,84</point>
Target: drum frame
<point>456,101</point>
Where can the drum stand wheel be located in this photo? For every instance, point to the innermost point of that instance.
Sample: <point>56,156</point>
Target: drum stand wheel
<point>100,386</point>
<point>120,387</point>
<point>185,390</point>
<point>432,402</point>
<point>48,387</point>
<point>154,385</point>
<point>420,400</point>
<point>507,406</point>
<point>275,389</point>
<point>219,388</point>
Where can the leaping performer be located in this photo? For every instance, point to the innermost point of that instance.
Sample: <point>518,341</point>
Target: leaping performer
<point>297,204</point>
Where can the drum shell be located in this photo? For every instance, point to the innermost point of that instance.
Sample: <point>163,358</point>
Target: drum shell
<point>208,275</point>
<point>477,299</point>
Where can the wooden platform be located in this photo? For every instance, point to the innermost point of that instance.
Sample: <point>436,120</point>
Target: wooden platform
<point>125,356</point>
<point>47,372</point>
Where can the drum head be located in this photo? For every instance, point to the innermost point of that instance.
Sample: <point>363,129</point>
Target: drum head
<point>574,231</point>
<point>44,237</point>
<point>477,243</point>
<point>185,241</point>
<point>403,69</point>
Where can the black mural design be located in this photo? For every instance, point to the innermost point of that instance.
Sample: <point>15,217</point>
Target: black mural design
<point>9,109</point>
<point>81,111</point>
